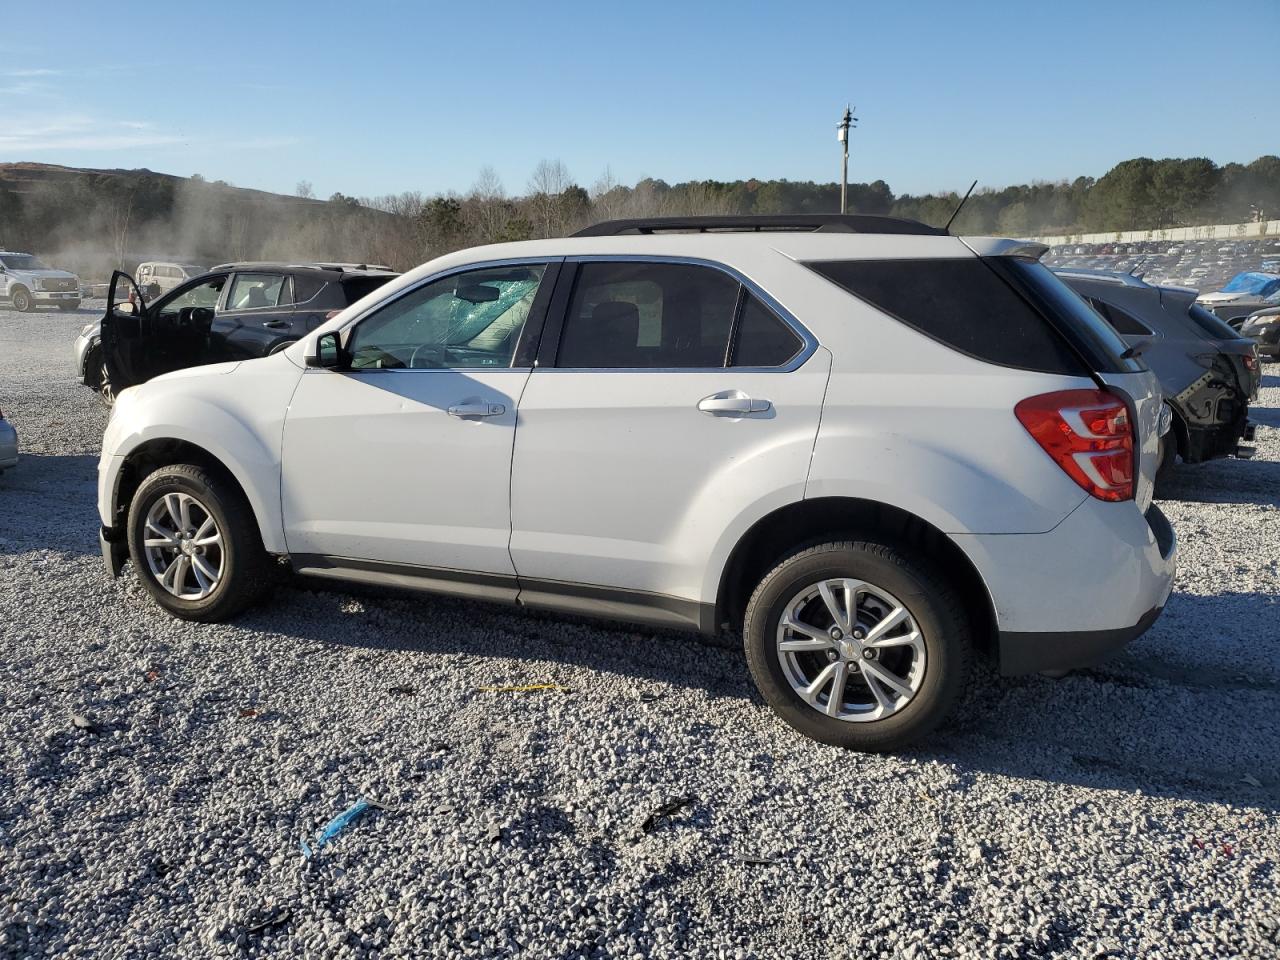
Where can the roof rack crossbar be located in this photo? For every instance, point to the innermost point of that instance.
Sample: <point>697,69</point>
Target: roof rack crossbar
<point>814,222</point>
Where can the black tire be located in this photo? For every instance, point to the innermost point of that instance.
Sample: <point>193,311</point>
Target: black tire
<point>928,597</point>
<point>1168,459</point>
<point>246,568</point>
<point>99,377</point>
<point>20,297</point>
<point>68,305</point>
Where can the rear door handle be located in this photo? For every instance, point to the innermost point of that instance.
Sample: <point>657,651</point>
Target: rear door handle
<point>275,324</point>
<point>465,410</point>
<point>732,403</point>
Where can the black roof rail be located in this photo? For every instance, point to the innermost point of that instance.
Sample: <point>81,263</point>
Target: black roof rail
<point>813,222</point>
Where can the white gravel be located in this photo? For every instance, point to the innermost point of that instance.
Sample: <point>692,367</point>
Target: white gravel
<point>1127,811</point>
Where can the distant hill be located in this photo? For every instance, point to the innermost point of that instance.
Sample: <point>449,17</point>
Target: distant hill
<point>93,220</point>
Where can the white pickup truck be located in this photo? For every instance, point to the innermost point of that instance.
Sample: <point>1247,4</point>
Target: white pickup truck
<point>27,283</point>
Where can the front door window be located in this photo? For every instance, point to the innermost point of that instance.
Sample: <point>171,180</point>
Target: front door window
<point>466,320</point>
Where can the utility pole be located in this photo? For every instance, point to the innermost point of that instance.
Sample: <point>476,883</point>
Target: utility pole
<point>842,134</point>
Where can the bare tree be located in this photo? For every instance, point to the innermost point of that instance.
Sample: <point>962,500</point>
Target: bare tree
<point>550,179</point>
<point>485,207</point>
<point>303,189</point>
<point>119,214</point>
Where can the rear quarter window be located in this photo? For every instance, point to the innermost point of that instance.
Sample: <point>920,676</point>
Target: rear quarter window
<point>353,288</point>
<point>962,303</point>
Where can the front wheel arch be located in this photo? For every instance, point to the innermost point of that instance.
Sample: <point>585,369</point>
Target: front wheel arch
<point>148,457</point>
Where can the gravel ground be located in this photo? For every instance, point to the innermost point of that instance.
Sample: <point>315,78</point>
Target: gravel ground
<point>1126,811</point>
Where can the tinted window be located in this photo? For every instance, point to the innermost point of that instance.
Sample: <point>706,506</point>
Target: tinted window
<point>648,315</point>
<point>763,339</point>
<point>961,303</point>
<point>465,320</point>
<point>1213,326</point>
<point>1123,323</point>
<point>305,286</point>
<point>1066,311</point>
<point>353,288</point>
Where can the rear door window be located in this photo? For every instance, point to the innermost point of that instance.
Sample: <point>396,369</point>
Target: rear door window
<point>962,303</point>
<point>253,291</point>
<point>635,315</point>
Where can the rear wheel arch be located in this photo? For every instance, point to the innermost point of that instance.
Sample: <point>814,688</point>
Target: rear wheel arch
<point>807,522</point>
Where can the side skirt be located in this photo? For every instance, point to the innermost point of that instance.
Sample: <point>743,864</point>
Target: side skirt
<point>578,599</point>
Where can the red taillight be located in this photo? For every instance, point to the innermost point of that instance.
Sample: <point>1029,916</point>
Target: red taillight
<point>1088,434</point>
<point>1250,362</point>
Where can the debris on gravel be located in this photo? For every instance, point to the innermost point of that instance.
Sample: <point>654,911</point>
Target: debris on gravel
<point>1132,810</point>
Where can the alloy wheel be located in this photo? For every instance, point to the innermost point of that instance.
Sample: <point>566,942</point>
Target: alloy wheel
<point>851,650</point>
<point>184,546</point>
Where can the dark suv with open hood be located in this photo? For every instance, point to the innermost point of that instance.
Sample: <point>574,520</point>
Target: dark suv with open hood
<point>236,311</point>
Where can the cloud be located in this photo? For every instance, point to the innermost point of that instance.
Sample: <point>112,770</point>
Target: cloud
<point>37,72</point>
<point>76,132</point>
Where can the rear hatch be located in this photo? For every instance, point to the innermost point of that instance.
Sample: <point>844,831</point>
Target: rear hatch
<point>1237,358</point>
<point>1108,359</point>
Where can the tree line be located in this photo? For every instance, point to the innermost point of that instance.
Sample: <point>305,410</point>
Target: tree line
<point>96,220</point>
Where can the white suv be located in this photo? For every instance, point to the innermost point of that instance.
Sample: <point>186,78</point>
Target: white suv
<point>877,449</point>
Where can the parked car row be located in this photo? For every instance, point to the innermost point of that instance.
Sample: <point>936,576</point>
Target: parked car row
<point>878,451</point>
<point>235,311</point>
<point>1208,372</point>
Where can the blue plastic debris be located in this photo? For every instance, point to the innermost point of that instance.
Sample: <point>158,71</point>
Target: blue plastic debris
<point>336,826</point>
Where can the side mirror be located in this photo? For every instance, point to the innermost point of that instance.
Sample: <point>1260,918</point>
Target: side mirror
<point>326,352</point>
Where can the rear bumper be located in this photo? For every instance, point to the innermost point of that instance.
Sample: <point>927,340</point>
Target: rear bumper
<point>1070,597</point>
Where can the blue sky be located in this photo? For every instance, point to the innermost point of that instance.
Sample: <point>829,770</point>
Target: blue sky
<point>420,96</point>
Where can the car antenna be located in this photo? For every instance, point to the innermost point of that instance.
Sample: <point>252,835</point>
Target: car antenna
<point>959,206</point>
<point>1136,267</point>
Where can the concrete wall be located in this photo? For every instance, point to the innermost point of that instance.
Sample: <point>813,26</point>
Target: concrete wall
<point>1222,231</point>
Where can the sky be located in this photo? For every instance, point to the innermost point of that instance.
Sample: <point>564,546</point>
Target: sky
<point>376,98</point>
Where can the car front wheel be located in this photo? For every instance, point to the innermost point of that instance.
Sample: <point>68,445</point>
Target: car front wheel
<point>858,644</point>
<point>195,544</point>
<point>21,300</point>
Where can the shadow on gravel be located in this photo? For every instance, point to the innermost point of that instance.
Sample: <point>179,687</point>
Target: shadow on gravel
<point>1267,416</point>
<point>47,503</point>
<point>1225,481</point>
<point>1186,728</point>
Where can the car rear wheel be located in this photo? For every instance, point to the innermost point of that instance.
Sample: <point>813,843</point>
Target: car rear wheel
<point>21,300</point>
<point>858,644</point>
<point>195,544</point>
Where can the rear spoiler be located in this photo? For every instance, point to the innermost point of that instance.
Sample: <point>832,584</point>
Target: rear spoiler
<point>1004,247</point>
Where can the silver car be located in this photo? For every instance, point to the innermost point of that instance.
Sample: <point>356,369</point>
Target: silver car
<point>8,444</point>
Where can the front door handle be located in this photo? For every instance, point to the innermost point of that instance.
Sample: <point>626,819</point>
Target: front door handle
<point>732,403</point>
<point>477,409</point>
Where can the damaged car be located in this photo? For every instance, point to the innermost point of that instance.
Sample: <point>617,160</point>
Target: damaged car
<point>1209,373</point>
<point>236,311</point>
<point>1243,294</point>
<point>1263,328</point>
